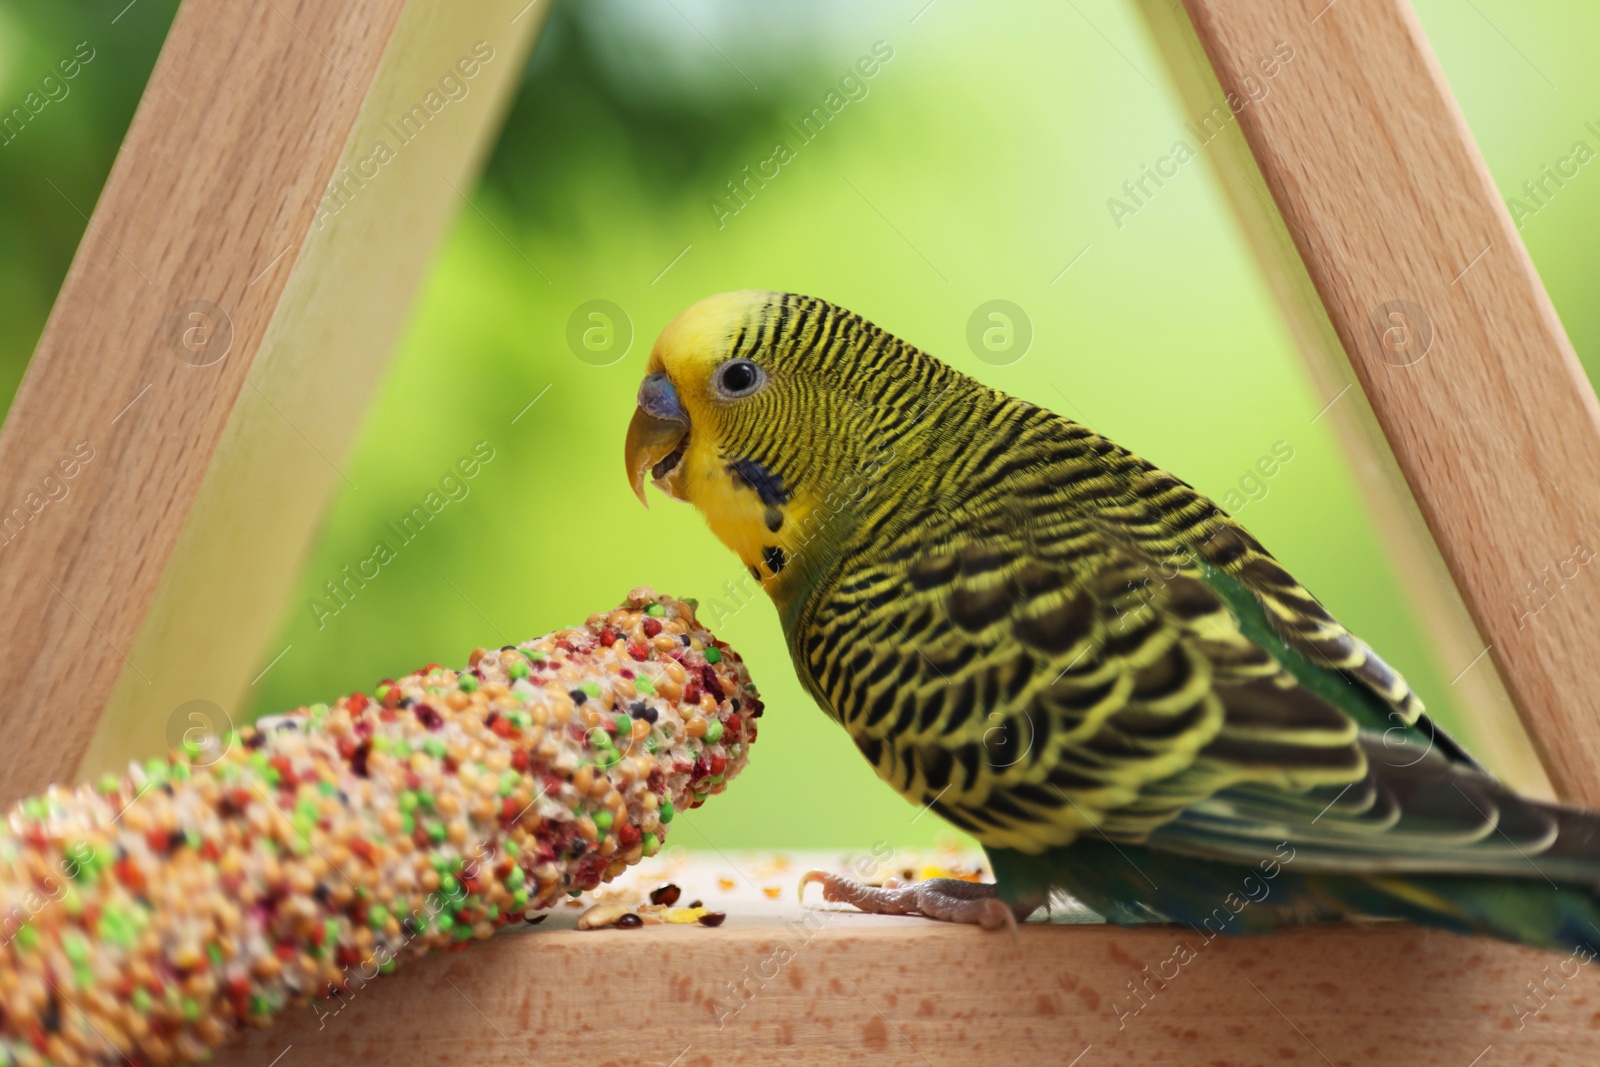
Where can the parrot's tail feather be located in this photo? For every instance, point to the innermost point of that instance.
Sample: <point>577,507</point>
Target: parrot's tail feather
<point>1130,884</point>
<point>1528,912</point>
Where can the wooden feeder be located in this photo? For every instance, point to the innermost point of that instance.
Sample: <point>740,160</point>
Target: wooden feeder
<point>215,308</point>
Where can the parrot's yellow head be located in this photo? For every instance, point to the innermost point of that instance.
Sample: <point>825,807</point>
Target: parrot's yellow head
<point>765,411</point>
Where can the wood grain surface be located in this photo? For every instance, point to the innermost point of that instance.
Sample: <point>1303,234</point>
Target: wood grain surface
<point>779,983</point>
<point>1450,334</point>
<point>1490,726</point>
<point>211,352</point>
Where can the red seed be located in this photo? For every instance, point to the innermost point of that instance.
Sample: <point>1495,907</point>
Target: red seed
<point>651,627</point>
<point>129,874</point>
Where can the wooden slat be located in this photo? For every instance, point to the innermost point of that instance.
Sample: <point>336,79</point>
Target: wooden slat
<point>162,573</point>
<point>1495,428</point>
<point>1491,727</point>
<point>777,984</point>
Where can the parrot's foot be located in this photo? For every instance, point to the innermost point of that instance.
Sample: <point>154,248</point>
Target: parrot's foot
<point>950,900</point>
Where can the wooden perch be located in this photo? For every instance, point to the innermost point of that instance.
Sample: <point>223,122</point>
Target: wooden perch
<point>779,984</point>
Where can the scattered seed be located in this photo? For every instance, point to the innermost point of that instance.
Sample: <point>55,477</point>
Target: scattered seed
<point>602,915</point>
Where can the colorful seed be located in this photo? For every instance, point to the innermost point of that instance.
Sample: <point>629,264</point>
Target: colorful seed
<point>338,838</point>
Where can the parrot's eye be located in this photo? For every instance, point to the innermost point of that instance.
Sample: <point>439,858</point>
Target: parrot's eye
<point>739,378</point>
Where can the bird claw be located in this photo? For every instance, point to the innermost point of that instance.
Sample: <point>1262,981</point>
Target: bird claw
<point>943,899</point>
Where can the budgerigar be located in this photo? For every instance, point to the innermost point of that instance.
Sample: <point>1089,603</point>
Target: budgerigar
<point>1074,656</point>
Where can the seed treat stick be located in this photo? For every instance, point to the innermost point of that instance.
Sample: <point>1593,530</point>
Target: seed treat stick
<point>149,919</point>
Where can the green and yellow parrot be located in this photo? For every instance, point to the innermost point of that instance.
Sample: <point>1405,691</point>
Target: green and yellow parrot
<point>1075,657</point>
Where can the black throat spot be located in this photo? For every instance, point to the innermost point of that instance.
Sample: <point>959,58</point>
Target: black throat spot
<point>768,486</point>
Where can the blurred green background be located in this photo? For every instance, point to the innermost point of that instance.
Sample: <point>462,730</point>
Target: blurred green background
<point>975,164</point>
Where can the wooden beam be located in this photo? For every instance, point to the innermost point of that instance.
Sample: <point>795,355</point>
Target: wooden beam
<point>779,984</point>
<point>1490,724</point>
<point>212,348</point>
<point>1379,186</point>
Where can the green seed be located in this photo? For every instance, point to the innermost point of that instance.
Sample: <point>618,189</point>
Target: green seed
<point>602,819</point>
<point>667,811</point>
<point>713,732</point>
<point>652,844</point>
<point>518,671</point>
<point>713,654</point>
<point>468,684</point>
<point>655,610</point>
